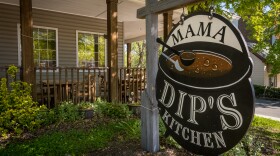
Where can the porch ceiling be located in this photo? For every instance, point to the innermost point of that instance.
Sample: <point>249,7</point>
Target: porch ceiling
<point>134,29</point>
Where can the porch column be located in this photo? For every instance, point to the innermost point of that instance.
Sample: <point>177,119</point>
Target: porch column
<point>128,55</point>
<point>112,31</point>
<point>26,23</point>
<point>167,23</point>
<point>96,50</point>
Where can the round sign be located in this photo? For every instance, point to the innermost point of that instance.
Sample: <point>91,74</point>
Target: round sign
<point>207,107</point>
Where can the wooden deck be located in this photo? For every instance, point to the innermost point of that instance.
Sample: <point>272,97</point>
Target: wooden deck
<point>54,85</point>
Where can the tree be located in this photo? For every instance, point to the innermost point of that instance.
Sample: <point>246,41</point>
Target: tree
<point>262,18</point>
<point>139,48</point>
<point>138,54</point>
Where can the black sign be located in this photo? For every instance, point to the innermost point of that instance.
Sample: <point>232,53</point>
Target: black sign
<point>207,107</point>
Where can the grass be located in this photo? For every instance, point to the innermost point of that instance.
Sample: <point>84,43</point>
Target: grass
<point>84,141</point>
<point>268,130</point>
<point>260,122</point>
<point>73,142</point>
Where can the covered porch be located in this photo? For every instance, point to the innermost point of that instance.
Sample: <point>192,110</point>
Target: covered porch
<point>63,76</point>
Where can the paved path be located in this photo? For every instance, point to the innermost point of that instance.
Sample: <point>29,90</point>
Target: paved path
<point>268,108</point>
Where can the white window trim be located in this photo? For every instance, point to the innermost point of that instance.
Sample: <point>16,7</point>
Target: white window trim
<point>35,26</point>
<point>88,32</point>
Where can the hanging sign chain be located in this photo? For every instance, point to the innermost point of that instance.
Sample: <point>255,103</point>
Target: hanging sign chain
<point>182,17</point>
<point>211,10</point>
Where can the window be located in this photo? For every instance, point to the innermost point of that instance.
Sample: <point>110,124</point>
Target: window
<point>44,46</point>
<point>91,49</point>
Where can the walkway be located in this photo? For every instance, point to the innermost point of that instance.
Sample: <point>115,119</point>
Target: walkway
<point>268,108</point>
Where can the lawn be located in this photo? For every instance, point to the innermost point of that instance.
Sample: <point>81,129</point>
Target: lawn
<point>107,135</point>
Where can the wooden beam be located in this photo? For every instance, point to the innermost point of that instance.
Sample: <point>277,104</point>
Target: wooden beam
<point>96,50</point>
<point>112,46</point>
<point>149,110</point>
<point>163,6</point>
<point>128,55</point>
<point>167,23</point>
<point>26,24</point>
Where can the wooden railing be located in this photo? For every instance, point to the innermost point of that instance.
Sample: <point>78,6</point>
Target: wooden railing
<point>132,82</point>
<point>54,85</point>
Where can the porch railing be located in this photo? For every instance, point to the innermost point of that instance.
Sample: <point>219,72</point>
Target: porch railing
<point>132,82</point>
<point>54,85</point>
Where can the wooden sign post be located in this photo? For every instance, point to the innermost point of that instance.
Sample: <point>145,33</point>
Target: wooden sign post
<point>149,111</point>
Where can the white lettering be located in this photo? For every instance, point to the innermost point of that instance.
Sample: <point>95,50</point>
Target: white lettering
<point>179,126</point>
<point>229,111</point>
<point>193,109</point>
<point>172,97</point>
<point>219,139</point>
<point>165,117</point>
<point>184,133</point>
<point>180,106</point>
<point>207,137</point>
<point>195,137</point>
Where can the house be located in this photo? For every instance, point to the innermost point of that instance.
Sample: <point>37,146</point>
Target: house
<point>71,35</point>
<point>261,70</point>
<point>70,38</point>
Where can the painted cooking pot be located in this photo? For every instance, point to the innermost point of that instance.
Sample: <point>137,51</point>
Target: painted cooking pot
<point>228,65</point>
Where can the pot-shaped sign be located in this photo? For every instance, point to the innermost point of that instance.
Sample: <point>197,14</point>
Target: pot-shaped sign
<point>207,106</point>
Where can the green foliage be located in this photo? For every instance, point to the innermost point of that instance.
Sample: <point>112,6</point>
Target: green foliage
<point>268,124</point>
<point>73,142</point>
<point>249,145</point>
<point>138,54</point>
<point>132,129</point>
<point>86,105</point>
<point>111,110</point>
<point>268,92</point>
<point>262,19</point>
<point>18,111</point>
<point>83,142</point>
<point>12,71</point>
<point>67,111</point>
<point>87,51</point>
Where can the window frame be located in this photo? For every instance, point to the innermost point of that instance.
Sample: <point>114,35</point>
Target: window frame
<point>77,45</point>
<point>40,27</point>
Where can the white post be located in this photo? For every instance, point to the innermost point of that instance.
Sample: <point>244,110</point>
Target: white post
<point>149,111</point>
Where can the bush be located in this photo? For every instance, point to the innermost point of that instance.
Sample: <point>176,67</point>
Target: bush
<point>265,91</point>
<point>67,111</point>
<point>111,110</point>
<point>18,111</point>
<point>249,145</point>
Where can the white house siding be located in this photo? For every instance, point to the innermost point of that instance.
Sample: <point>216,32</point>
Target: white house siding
<point>259,71</point>
<point>266,78</point>
<point>278,80</point>
<point>67,24</point>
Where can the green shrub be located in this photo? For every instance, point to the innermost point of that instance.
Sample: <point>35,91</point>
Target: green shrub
<point>265,91</point>
<point>67,111</point>
<point>111,110</point>
<point>18,111</point>
<point>249,145</point>
<point>86,105</point>
<point>131,129</point>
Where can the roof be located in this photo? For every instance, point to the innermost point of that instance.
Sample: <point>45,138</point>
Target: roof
<point>261,55</point>
<point>134,29</point>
